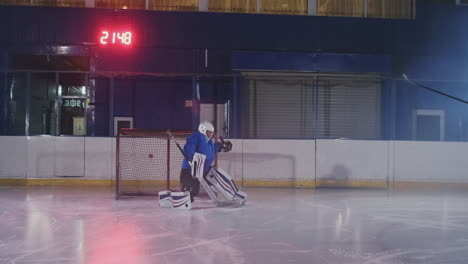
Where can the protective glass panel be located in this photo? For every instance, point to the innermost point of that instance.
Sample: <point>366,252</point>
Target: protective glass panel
<point>3,105</point>
<point>16,103</point>
<point>72,89</point>
<point>42,117</point>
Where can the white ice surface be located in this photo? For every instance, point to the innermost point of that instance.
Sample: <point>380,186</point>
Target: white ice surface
<point>86,225</point>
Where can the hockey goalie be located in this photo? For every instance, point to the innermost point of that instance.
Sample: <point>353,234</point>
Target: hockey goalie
<point>197,170</point>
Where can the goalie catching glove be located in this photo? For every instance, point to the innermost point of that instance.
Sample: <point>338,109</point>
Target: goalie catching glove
<point>227,146</point>
<point>224,145</point>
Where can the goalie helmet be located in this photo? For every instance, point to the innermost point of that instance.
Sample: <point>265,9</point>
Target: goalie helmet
<point>205,126</point>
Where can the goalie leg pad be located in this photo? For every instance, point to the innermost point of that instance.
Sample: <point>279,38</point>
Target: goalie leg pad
<point>177,200</point>
<point>224,185</point>
<point>217,183</point>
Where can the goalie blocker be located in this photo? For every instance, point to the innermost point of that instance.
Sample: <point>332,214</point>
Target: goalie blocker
<point>217,183</point>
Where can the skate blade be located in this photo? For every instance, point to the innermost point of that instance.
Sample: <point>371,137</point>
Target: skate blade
<point>230,203</point>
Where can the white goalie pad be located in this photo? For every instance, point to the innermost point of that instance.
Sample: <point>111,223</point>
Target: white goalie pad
<point>221,183</point>
<point>218,184</point>
<point>178,200</point>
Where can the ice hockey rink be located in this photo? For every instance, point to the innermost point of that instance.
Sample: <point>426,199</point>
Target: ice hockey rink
<point>328,225</point>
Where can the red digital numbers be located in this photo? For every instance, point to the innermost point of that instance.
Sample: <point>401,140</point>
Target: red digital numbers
<point>112,38</point>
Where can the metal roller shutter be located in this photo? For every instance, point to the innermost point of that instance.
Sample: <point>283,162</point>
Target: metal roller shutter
<point>330,106</point>
<point>348,108</point>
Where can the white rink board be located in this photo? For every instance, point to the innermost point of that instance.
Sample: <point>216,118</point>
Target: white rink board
<point>113,158</point>
<point>50,157</point>
<point>41,156</point>
<point>69,158</point>
<point>431,161</point>
<point>283,160</point>
<point>13,157</point>
<point>98,158</point>
<point>352,160</point>
<point>268,160</point>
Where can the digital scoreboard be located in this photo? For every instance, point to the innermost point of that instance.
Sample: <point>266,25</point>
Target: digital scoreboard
<point>114,38</point>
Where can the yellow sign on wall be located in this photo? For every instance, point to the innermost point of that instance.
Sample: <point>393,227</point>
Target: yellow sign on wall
<point>78,126</point>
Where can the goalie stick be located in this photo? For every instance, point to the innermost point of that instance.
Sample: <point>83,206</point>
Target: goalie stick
<point>432,90</point>
<point>178,146</point>
<point>186,157</point>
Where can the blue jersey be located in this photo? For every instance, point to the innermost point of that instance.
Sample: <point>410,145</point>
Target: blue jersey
<point>197,142</point>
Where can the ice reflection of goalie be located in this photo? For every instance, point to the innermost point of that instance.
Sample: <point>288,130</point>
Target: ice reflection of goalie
<point>200,141</point>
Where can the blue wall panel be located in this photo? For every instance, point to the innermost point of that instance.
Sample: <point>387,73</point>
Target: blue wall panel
<point>448,68</point>
<point>123,97</point>
<point>432,47</point>
<point>184,36</point>
<point>435,29</point>
<point>147,60</point>
<point>175,41</point>
<point>311,62</point>
<point>160,104</point>
<point>410,98</point>
<point>217,91</point>
<point>101,125</point>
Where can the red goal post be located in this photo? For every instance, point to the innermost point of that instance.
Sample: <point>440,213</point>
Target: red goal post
<point>147,161</point>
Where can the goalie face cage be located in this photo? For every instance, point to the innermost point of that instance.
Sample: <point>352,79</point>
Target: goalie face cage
<point>147,161</point>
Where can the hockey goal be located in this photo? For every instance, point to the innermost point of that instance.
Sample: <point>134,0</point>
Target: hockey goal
<point>147,161</point>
